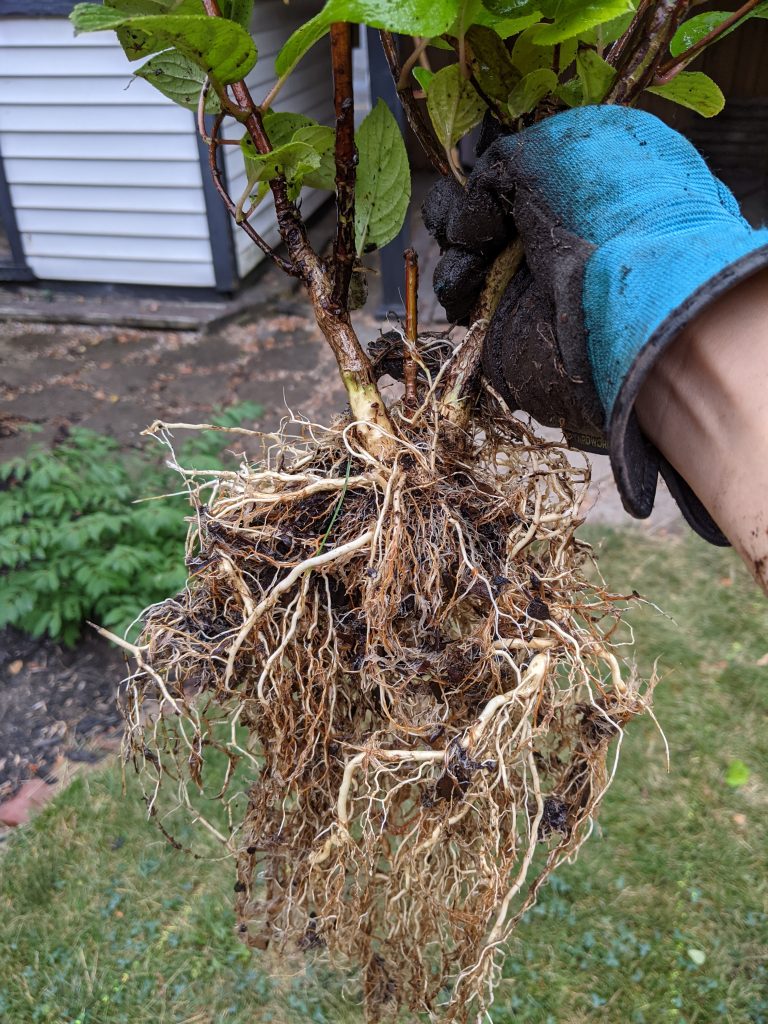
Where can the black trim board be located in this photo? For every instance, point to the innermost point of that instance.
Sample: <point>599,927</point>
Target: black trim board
<point>219,224</point>
<point>36,8</point>
<point>16,269</point>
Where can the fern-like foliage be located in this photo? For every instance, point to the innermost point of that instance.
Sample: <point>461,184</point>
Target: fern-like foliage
<point>74,545</point>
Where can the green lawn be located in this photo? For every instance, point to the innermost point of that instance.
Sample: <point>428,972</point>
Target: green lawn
<point>664,918</point>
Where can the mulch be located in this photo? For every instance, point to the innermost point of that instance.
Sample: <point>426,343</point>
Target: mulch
<point>56,705</point>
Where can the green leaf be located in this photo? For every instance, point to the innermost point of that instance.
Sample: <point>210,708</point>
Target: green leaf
<point>577,18</point>
<point>595,75</point>
<point>292,159</point>
<point>692,89</point>
<point>490,62</point>
<point>281,126</point>
<point>322,140</point>
<point>240,11</point>
<point>221,48</point>
<point>156,6</point>
<point>303,152</point>
<point>300,42</point>
<point>410,17</point>
<point>696,28</point>
<point>383,179</point>
<point>180,79</point>
<point>510,8</point>
<point>453,104</point>
<point>532,88</point>
<point>506,27</point>
<point>571,93</point>
<point>529,55</point>
<point>473,12</point>
<point>95,18</point>
<point>423,76</point>
<point>737,774</point>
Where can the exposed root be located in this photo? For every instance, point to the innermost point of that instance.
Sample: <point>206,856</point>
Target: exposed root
<point>405,658</point>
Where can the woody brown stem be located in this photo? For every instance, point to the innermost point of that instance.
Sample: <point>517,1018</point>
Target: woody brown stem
<point>216,176</point>
<point>410,366</point>
<point>412,110</point>
<point>334,322</point>
<point>637,55</point>
<point>462,381</point>
<point>667,71</point>
<point>346,161</point>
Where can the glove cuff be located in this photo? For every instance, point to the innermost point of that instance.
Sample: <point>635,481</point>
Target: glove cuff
<point>636,463</point>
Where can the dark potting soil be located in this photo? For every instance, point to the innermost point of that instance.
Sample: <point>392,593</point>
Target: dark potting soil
<point>55,703</point>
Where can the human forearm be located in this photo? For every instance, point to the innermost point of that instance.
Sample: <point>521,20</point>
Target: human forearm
<point>705,407</point>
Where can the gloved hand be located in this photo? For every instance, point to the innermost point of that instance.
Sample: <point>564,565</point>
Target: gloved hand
<point>627,236</point>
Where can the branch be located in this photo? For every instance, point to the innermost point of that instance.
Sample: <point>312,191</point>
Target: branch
<point>213,146</point>
<point>412,110</point>
<point>419,48</point>
<point>668,71</point>
<point>638,53</point>
<point>354,365</point>
<point>346,160</point>
<point>411,327</point>
<point>290,225</point>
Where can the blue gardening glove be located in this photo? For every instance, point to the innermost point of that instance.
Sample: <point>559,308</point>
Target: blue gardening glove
<point>627,236</point>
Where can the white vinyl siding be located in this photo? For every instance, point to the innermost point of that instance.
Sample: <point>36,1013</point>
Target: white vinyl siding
<point>308,91</point>
<point>103,170</point>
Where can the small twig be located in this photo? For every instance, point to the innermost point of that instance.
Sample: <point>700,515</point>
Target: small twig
<point>413,58</point>
<point>346,160</point>
<point>289,222</point>
<point>412,110</point>
<point>411,328</point>
<point>272,95</point>
<point>462,378</point>
<point>667,71</point>
<point>231,206</point>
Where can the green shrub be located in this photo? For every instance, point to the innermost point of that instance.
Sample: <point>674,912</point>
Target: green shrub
<point>74,545</point>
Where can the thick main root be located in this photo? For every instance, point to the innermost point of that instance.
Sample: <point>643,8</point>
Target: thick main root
<point>410,663</point>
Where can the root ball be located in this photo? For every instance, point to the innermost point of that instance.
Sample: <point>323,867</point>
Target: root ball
<point>406,658</point>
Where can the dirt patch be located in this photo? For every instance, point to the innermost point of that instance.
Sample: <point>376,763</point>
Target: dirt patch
<point>119,380</point>
<point>55,704</point>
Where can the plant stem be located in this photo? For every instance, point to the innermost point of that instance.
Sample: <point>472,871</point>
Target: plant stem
<point>463,377</point>
<point>215,170</point>
<point>667,71</point>
<point>413,58</point>
<point>334,322</point>
<point>346,160</point>
<point>410,366</point>
<point>638,53</point>
<point>412,110</point>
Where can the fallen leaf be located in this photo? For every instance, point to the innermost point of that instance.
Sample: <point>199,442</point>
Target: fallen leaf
<point>737,774</point>
<point>739,820</point>
<point>762,662</point>
<point>726,581</point>
<point>16,666</point>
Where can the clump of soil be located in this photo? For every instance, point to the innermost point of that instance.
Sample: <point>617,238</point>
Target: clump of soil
<point>406,654</point>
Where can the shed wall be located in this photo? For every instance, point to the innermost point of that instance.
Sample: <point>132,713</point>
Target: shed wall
<point>103,171</point>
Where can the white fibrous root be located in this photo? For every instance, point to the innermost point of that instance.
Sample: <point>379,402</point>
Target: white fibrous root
<point>412,665</point>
